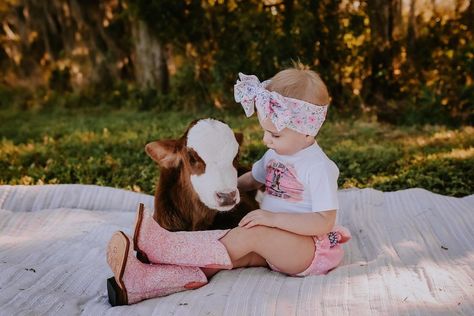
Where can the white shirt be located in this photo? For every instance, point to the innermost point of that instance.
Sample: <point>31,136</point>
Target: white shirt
<point>304,182</point>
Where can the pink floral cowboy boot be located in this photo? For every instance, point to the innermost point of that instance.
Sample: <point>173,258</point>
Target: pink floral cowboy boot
<point>198,248</point>
<point>135,281</point>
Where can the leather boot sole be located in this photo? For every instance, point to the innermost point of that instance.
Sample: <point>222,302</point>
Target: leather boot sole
<point>117,254</point>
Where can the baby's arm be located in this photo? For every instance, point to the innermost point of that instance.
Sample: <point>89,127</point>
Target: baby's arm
<point>247,182</point>
<point>308,224</point>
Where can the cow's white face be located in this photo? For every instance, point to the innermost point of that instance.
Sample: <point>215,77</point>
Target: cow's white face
<point>216,145</point>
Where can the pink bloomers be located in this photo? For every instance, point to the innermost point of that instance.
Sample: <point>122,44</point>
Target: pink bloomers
<point>328,252</point>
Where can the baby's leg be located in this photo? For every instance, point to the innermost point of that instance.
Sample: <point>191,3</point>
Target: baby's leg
<point>249,260</point>
<point>289,252</point>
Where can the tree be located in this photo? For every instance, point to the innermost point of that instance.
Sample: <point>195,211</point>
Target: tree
<point>380,84</point>
<point>151,69</point>
<point>79,45</point>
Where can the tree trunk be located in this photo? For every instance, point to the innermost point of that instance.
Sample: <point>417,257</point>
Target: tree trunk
<point>411,31</point>
<point>288,48</point>
<point>151,70</point>
<point>377,87</point>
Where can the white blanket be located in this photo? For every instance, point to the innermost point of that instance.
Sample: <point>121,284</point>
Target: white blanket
<point>412,252</point>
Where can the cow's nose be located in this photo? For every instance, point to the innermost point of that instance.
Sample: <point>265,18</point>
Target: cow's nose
<point>226,198</point>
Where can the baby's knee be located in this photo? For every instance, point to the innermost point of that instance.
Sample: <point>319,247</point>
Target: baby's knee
<point>248,237</point>
<point>255,260</point>
<point>250,260</point>
<point>256,232</point>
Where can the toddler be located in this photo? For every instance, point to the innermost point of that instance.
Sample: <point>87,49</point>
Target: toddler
<point>293,232</point>
<point>300,180</point>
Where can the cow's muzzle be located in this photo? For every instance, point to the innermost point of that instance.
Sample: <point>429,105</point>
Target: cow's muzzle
<point>226,198</point>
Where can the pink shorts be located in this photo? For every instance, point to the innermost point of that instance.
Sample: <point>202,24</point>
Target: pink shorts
<point>328,252</point>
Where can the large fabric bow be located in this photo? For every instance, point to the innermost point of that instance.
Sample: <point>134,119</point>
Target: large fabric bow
<point>301,116</point>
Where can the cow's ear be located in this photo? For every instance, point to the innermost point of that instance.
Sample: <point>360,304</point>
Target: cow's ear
<point>239,137</point>
<point>164,152</point>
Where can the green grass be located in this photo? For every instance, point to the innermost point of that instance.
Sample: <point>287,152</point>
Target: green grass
<point>104,146</point>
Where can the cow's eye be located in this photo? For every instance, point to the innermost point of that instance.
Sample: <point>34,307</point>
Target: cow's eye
<point>193,160</point>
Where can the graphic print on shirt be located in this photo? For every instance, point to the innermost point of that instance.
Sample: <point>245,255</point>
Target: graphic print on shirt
<point>281,182</point>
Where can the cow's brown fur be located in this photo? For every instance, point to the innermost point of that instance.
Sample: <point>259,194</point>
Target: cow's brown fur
<point>177,205</point>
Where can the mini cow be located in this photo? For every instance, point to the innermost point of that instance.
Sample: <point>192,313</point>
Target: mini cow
<point>197,189</point>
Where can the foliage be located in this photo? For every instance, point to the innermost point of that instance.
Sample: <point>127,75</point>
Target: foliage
<point>61,45</point>
<point>404,68</point>
<point>436,81</point>
<point>104,146</point>
<point>120,95</point>
<point>424,76</point>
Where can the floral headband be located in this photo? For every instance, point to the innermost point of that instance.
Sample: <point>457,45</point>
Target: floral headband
<point>303,117</point>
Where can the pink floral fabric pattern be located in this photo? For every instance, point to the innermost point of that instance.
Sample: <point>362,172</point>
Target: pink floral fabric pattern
<point>281,182</point>
<point>298,115</point>
<point>197,248</point>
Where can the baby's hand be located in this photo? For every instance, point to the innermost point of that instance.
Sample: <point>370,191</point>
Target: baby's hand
<point>258,217</point>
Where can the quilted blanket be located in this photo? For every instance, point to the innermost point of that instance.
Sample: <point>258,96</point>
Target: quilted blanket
<point>412,253</point>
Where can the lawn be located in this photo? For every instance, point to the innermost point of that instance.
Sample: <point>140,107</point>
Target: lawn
<point>104,146</point>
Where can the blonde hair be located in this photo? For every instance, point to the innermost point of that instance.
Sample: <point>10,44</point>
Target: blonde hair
<point>300,83</point>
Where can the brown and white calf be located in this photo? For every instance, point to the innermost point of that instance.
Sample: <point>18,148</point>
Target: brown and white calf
<point>197,188</point>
